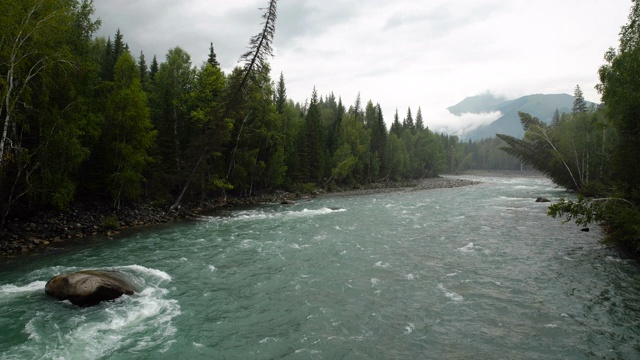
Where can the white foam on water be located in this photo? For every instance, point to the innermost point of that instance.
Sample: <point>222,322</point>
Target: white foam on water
<point>307,350</point>
<point>267,339</point>
<point>262,215</point>
<point>470,248</point>
<point>15,289</point>
<point>509,198</point>
<point>551,326</point>
<point>467,248</point>
<point>410,277</point>
<point>375,281</point>
<point>212,268</point>
<point>451,295</point>
<point>197,345</point>
<point>409,328</point>
<point>298,247</point>
<point>380,264</point>
<point>30,328</point>
<point>159,274</point>
<point>141,322</point>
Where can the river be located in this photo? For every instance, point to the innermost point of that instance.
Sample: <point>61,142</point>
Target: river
<point>474,272</point>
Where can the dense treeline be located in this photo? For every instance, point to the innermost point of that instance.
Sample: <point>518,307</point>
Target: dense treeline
<point>594,151</point>
<point>83,119</point>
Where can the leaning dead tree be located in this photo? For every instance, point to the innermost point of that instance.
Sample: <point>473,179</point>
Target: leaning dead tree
<point>255,60</point>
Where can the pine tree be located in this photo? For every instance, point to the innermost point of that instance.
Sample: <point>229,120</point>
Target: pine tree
<point>107,62</point>
<point>579,104</point>
<point>396,127</point>
<point>407,123</point>
<point>153,69</point>
<point>212,59</point>
<point>379,140</point>
<point>555,120</point>
<point>119,46</point>
<point>312,141</point>
<point>281,95</point>
<point>419,121</point>
<point>144,71</point>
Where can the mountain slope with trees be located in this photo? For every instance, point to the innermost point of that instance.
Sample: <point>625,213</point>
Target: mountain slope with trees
<point>542,106</point>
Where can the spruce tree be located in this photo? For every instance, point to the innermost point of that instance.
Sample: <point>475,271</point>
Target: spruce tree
<point>579,104</point>
<point>107,62</point>
<point>212,59</point>
<point>144,71</point>
<point>153,69</point>
<point>555,120</point>
<point>281,95</point>
<point>419,121</point>
<point>312,141</point>
<point>396,127</point>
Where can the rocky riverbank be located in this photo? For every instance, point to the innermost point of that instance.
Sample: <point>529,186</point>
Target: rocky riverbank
<point>25,233</point>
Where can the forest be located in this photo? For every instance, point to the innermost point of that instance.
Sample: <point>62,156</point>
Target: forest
<point>83,119</point>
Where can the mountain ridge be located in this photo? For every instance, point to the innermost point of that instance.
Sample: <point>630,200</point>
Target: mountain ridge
<point>542,106</point>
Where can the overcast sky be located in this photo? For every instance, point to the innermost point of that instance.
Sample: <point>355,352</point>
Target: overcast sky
<point>399,53</point>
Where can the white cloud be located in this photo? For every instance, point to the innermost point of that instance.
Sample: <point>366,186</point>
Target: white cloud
<point>463,124</point>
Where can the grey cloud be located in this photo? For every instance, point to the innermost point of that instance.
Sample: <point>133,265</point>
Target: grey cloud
<point>444,18</point>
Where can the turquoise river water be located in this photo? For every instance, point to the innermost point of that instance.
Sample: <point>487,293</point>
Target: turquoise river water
<point>474,272</point>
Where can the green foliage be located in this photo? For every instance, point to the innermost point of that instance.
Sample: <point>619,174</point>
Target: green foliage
<point>573,153</point>
<point>96,123</point>
<point>130,136</point>
<point>305,188</point>
<point>110,222</point>
<point>614,142</point>
<point>617,215</point>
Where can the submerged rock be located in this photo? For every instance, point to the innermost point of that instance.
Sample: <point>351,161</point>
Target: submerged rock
<point>89,287</point>
<point>543,200</point>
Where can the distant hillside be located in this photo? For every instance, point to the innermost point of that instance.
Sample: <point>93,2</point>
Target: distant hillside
<point>483,103</point>
<point>541,106</point>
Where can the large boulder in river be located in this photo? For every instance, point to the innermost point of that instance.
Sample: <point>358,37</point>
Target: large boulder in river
<point>89,287</point>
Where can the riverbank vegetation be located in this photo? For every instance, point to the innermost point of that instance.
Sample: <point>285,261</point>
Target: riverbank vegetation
<point>83,120</point>
<point>594,151</point>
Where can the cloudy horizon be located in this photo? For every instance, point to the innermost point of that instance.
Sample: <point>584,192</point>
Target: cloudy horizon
<point>406,53</point>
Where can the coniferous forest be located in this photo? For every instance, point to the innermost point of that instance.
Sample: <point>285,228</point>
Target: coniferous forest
<point>83,118</point>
